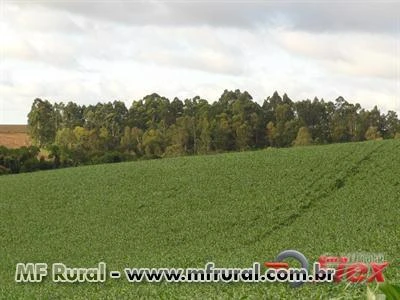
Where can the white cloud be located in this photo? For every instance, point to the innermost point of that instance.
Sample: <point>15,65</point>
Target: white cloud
<point>361,54</point>
<point>318,15</point>
<point>87,53</point>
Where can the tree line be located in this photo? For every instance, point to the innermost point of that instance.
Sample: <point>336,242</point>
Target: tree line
<point>155,127</point>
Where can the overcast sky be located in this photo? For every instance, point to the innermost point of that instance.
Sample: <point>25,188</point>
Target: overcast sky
<point>91,51</point>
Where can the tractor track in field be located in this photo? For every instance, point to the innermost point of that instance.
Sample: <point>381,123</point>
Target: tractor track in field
<point>322,192</point>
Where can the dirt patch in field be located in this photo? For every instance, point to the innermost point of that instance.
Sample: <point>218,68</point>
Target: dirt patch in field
<point>14,136</point>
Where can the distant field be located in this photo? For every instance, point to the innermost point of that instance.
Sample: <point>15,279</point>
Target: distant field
<point>14,136</point>
<point>233,209</point>
<point>13,128</point>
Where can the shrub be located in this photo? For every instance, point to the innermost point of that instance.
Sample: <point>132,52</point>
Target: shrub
<point>4,170</point>
<point>372,133</point>
<point>30,165</point>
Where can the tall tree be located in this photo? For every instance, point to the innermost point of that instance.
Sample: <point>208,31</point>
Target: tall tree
<point>42,123</point>
<point>72,115</point>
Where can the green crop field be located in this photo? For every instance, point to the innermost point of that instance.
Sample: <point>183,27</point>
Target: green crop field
<point>232,209</point>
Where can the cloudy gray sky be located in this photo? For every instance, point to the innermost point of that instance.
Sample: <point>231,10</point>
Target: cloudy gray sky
<point>90,51</point>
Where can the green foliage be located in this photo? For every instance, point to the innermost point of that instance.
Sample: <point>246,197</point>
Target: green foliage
<point>372,133</point>
<point>204,142</point>
<point>131,141</point>
<point>24,159</point>
<point>222,133</point>
<point>391,291</point>
<point>153,143</point>
<point>232,209</point>
<point>155,127</point>
<point>42,123</point>
<point>4,170</point>
<point>110,157</point>
<point>271,133</point>
<point>303,137</point>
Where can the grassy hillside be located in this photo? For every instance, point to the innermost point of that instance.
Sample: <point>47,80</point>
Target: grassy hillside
<point>232,209</point>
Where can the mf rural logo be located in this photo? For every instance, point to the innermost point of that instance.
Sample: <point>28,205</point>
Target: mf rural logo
<point>353,268</point>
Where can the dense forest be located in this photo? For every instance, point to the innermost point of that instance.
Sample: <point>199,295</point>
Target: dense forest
<point>156,127</point>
